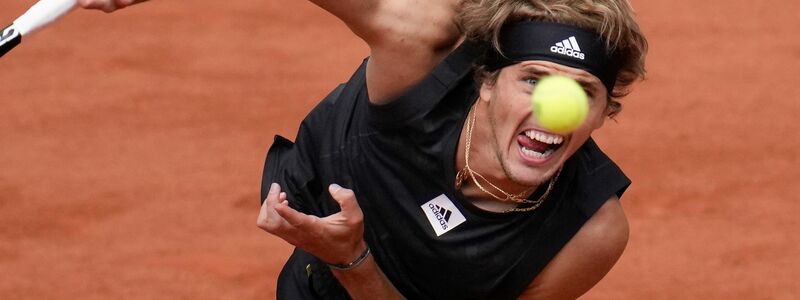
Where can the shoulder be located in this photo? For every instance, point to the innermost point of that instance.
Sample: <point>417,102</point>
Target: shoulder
<point>593,161</point>
<point>337,109</point>
<point>294,163</point>
<point>586,258</point>
<point>597,178</point>
<point>448,87</point>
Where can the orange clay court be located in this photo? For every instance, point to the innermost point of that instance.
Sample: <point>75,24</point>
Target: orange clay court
<point>131,148</point>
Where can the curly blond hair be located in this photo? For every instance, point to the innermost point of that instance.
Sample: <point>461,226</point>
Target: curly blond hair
<point>482,20</point>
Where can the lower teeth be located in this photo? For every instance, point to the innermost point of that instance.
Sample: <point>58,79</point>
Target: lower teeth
<point>534,154</point>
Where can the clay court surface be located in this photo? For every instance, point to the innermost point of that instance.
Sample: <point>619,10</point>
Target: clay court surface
<point>131,148</point>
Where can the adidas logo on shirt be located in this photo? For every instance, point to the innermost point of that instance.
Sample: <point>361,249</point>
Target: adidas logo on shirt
<point>569,47</point>
<point>442,214</point>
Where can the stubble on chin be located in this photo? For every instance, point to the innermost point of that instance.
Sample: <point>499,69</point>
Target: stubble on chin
<point>501,157</point>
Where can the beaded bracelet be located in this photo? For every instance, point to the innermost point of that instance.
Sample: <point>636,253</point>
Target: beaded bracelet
<point>360,260</point>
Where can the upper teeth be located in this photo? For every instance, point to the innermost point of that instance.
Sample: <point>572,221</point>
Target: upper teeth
<point>544,137</point>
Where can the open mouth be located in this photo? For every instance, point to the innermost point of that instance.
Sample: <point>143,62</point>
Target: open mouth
<point>538,145</point>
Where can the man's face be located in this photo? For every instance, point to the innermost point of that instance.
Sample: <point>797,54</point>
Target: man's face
<point>527,153</point>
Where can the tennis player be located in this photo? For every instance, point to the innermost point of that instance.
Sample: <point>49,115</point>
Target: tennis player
<point>426,174</point>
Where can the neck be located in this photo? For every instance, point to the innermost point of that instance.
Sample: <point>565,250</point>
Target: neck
<point>484,163</point>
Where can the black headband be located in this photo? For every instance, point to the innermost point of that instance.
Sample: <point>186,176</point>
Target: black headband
<point>562,44</point>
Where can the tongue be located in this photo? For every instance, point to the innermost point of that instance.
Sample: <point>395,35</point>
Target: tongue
<point>532,144</point>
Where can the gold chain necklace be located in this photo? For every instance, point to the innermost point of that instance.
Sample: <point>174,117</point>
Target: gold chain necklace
<point>518,198</point>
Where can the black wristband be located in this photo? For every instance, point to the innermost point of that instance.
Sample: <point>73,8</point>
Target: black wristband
<point>357,262</point>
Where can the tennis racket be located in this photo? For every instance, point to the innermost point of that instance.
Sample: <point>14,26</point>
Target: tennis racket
<point>39,15</point>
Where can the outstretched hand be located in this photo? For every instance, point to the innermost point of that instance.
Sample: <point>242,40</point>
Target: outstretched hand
<point>335,239</point>
<point>107,5</point>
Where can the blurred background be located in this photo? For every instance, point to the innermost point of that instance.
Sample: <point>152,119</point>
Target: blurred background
<point>131,148</point>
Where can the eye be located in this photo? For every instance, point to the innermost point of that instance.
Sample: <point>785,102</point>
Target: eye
<point>531,81</point>
<point>589,92</point>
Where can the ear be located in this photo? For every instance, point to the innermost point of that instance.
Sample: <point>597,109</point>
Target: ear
<point>486,91</point>
<point>602,119</point>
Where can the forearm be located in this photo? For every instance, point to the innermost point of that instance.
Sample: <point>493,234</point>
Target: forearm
<point>367,281</point>
<point>358,15</point>
<point>107,5</point>
<point>397,22</point>
<point>407,38</point>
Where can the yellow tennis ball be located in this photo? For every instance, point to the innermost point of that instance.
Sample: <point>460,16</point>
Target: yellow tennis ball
<point>559,103</point>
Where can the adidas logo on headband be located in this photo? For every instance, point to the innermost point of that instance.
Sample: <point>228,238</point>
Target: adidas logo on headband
<point>569,47</point>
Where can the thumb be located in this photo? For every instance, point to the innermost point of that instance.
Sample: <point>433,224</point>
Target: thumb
<point>346,199</point>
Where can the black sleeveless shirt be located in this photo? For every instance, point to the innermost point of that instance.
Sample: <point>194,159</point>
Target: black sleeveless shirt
<point>399,159</point>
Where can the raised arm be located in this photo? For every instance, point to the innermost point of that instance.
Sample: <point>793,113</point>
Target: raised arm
<point>407,38</point>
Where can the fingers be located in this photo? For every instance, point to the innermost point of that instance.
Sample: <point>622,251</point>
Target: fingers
<point>273,196</point>
<point>347,201</point>
<point>295,218</point>
<point>107,5</point>
<point>268,218</point>
<point>278,218</point>
<point>331,238</point>
<point>275,212</point>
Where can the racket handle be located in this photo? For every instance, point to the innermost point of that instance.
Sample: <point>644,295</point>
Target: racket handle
<point>42,13</point>
<point>39,15</point>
